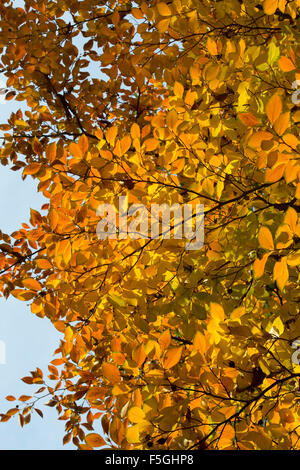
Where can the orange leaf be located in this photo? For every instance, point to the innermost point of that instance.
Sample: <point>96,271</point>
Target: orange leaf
<point>282,123</point>
<point>138,355</point>
<point>178,89</point>
<point>164,340</point>
<point>83,144</point>
<point>172,357</point>
<point>291,218</point>
<point>32,284</point>
<point>163,9</point>
<point>23,294</point>
<point>291,140</point>
<point>275,174</point>
<point>75,150</point>
<point>259,265</point>
<point>270,6</point>
<point>51,152</point>
<point>111,372</point>
<point>281,273</point>
<point>265,238</point>
<point>249,119</point>
<point>94,440</point>
<point>10,398</point>
<point>274,108</point>
<point>135,131</point>
<point>286,64</point>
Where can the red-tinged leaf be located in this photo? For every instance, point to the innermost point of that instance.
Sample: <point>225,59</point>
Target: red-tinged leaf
<point>21,420</point>
<point>5,418</point>
<point>10,398</point>
<point>67,438</point>
<point>248,119</point>
<point>39,412</point>
<point>94,440</point>
<point>27,380</point>
<point>12,411</point>
<point>25,397</point>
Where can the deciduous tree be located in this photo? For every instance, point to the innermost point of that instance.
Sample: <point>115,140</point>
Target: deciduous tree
<point>184,101</point>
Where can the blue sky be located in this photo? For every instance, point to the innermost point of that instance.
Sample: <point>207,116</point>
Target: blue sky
<point>29,341</point>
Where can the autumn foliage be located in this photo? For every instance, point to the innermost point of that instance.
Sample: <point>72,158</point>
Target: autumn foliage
<point>163,102</point>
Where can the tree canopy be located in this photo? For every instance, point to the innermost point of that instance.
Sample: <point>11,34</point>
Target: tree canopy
<point>183,101</point>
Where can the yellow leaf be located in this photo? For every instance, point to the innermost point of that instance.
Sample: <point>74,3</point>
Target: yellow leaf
<point>132,434</point>
<point>136,415</point>
<point>172,118</point>
<point>265,238</point>
<point>94,440</point>
<point>274,108</point>
<point>172,357</point>
<point>216,311</point>
<point>278,325</point>
<point>111,372</point>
